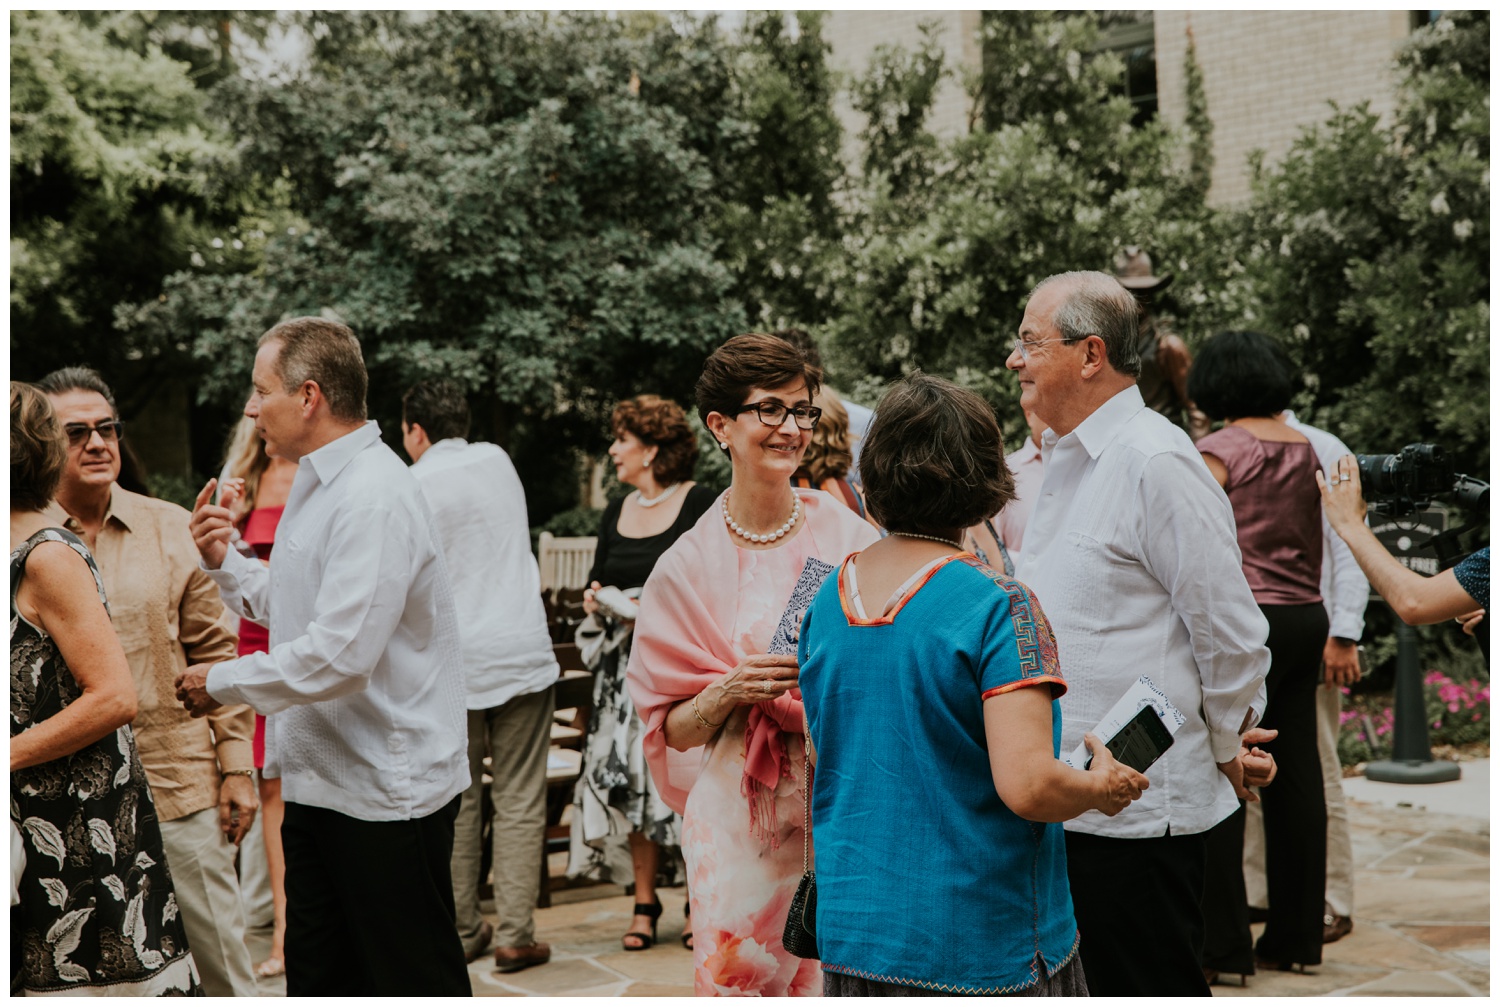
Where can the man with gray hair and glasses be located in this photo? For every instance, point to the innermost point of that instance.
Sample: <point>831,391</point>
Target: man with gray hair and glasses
<point>1131,551</point>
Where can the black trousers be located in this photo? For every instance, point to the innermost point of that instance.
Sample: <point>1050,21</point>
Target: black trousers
<point>370,905</point>
<point>1296,816</point>
<point>1140,921</point>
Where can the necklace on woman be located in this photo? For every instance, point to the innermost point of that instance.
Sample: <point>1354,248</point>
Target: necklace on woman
<point>929,538</point>
<point>641,500</point>
<point>770,536</point>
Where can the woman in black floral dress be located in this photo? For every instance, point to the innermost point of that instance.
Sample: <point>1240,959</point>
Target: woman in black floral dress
<point>93,910</point>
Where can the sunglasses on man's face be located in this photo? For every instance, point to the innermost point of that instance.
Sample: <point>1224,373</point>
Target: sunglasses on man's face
<point>81,433</point>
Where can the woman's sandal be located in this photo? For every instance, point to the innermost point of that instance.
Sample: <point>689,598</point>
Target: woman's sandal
<point>653,910</point>
<point>687,935</point>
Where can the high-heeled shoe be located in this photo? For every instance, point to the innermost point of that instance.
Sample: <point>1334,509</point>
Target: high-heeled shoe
<point>651,909</point>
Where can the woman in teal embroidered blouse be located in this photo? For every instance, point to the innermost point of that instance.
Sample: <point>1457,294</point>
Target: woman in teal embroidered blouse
<point>930,683</point>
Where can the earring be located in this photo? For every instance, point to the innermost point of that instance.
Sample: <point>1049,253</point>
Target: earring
<point>724,445</point>
<point>647,463</point>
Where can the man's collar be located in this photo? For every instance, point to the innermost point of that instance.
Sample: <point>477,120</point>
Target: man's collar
<point>330,459</point>
<point>443,448</point>
<point>1028,450</point>
<point>1103,424</point>
<point>124,507</point>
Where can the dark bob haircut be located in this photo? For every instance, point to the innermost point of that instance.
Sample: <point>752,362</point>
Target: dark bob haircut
<point>933,462</point>
<point>1239,374</point>
<point>438,406</point>
<point>662,424</point>
<point>753,360</point>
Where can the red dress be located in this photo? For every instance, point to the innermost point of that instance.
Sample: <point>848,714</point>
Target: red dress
<point>259,533</point>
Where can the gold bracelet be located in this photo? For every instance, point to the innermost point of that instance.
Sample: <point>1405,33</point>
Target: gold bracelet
<point>705,723</point>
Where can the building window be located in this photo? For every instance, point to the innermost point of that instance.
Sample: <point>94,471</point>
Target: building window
<point>1132,35</point>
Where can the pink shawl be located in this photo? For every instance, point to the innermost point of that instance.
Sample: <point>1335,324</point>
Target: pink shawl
<point>682,644</point>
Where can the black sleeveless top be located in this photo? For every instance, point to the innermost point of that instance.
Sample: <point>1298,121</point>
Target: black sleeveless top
<point>626,562</point>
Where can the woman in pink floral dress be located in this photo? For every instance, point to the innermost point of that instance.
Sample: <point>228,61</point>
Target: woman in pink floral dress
<point>723,716</point>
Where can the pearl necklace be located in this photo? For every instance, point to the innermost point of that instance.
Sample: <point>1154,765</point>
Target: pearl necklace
<point>929,538</point>
<point>640,498</point>
<point>770,536</point>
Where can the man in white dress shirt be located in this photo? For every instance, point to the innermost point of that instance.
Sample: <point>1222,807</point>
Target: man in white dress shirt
<point>364,674</point>
<point>480,509</point>
<point>1025,465</point>
<point>1131,551</point>
<point>1345,592</point>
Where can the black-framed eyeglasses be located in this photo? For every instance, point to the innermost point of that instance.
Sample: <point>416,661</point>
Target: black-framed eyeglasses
<point>773,414</point>
<point>80,433</point>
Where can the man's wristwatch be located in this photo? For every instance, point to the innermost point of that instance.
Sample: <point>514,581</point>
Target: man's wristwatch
<point>1344,641</point>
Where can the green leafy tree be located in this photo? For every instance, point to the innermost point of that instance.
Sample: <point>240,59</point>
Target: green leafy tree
<point>211,42</point>
<point>1057,178</point>
<point>779,170</point>
<point>115,175</point>
<point>1368,249</point>
<point>1200,125</point>
<point>496,198</point>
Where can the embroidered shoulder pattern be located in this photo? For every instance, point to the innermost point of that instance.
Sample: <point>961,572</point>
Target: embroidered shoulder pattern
<point>1036,646</point>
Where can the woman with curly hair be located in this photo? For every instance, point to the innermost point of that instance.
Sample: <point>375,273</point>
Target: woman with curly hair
<point>830,455</point>
<point>93,911</point>
<point>654,451</point>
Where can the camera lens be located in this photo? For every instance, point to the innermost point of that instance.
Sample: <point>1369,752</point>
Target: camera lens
<point>1379,474</point>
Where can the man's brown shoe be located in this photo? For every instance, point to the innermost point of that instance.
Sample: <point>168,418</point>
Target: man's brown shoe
<point>516,959</point>
<point>1335,927</point>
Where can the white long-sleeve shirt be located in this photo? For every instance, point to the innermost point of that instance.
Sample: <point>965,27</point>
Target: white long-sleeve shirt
<point>1131,551</point>
<point>364,673</point>
<point>1344,587</point>
<point>479,506</point>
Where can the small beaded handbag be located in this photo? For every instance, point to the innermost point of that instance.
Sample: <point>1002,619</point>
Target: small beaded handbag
<point>800,936</point>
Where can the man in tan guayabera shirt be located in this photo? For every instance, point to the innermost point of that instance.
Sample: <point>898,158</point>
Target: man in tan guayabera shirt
<point>168,615</point>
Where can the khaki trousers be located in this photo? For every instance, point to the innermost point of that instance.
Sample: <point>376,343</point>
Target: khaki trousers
<point>255,876</point>
<point>1338,889</point>
<point>516,736</point>
<point>201,862</point>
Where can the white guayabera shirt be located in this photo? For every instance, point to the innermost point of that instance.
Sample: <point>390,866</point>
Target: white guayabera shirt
<point>1131,551</point>
<point>479,507</point>
<point>364,673</point>
<point>1345,590</point>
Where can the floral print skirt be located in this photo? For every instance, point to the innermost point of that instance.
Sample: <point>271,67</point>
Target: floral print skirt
<point>741,886</point>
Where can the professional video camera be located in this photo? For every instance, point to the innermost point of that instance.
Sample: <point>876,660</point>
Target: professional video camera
<point>1404,483</point>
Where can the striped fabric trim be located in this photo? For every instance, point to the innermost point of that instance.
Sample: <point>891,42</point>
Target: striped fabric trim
<point>889,617</point>
<point>956,988</point>
<point>1001,690</point>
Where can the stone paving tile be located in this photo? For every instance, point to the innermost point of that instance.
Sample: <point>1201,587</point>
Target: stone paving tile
<point>1478,979</point>
<point>1421,926</point>
<point>654,990</point>
<point>1450,938</point>
<point>1410,984</point>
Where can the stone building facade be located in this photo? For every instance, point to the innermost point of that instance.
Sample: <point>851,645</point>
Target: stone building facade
<point>1266,74</point>
<point>1269,74</point>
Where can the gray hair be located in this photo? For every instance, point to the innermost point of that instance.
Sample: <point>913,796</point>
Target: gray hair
<point>78,379</point>
<point>1097,305</point>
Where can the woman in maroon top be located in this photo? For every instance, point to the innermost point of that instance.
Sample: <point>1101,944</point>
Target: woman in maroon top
<point>1269,471</point>
<point>258,486</point>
